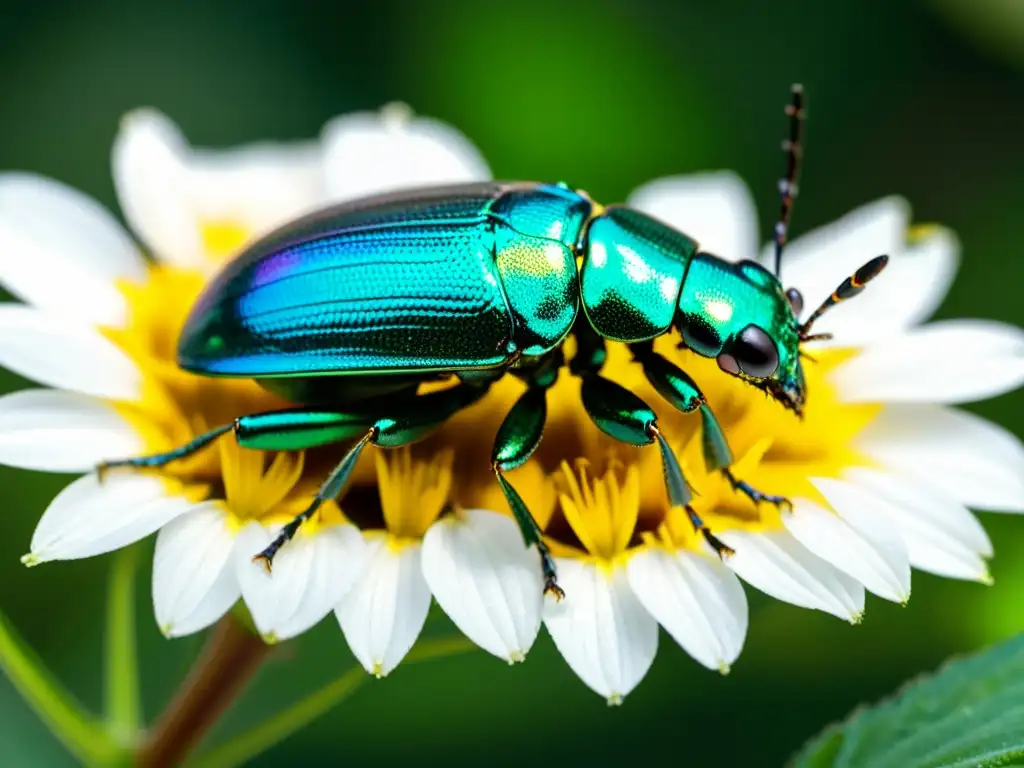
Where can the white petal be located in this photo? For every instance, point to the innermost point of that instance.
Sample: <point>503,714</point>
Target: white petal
<point>270,597</point>
<point>258,186</point>
<point>89,517</point>
<point>485,580</point>
<point>311,574</point>
<point>55,431</point>
<point>942,536</point>
<point>66,354</point>
<point>370,152</point>
<point>816,263</point>
<point>601,629</point>
<point>967,458</point>
<point>62,251</point>
<point>857,538</point>
<point>338,558</point>
<point>906,294</point>
<point>384,612</point>
<point>716,209</point>
<point>780,566</point>
<point>194,580</point>
<point>952,361</point>
<point>153,187</point>
<point>926,268</point>
<point>697,599</point>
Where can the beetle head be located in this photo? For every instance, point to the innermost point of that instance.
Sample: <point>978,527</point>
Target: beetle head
<point>739,314</point>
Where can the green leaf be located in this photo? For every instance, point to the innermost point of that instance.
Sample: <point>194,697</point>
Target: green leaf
<point>970,713</point>
<point>121,693</point>
<point>81,733</point>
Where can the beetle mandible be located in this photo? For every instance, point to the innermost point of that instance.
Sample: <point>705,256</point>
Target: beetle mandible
<point>346,311</point>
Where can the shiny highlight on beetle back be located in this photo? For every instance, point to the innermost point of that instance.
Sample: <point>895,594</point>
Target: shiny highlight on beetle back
<point>632,274</point>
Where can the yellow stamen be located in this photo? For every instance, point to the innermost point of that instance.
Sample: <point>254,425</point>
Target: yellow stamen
<point>412,492</point>
<point>251,493</point>
<point>602,512</point>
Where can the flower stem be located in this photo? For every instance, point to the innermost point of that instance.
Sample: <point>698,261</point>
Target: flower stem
<point>81,733</point>
<point>244,747</point>
<point>230,658</point>
<point>123,711</point>
<point>240,749</point>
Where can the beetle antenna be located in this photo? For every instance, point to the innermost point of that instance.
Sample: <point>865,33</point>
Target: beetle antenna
<point>849,288</point>
<point>794,149</point>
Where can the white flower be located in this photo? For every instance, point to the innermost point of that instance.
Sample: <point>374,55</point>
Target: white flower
<point>99,326</point>
<point>881,471</point>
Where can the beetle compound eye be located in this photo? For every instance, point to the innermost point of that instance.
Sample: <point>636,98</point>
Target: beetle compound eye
<point>796,301</point>
<point>755,352</point>
<point>702,338</point>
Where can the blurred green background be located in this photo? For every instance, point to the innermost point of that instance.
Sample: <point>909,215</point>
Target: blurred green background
<point>925,100</point>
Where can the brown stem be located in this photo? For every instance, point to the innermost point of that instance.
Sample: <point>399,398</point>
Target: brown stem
<point>231,656</point>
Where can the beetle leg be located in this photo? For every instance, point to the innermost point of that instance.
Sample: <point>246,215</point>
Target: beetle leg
<point>755,495</point>
<point>292,429</point>
<point>619,413</point>
<point>331,488</point>
<point>406,423</point>
<point>624,416</point>
<point>156,460</point>
<point>682,393</point>
<point>517,439</point>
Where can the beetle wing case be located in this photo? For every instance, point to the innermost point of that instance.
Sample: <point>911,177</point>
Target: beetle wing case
<point>440,279</point>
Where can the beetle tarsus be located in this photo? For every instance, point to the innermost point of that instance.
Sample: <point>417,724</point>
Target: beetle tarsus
<point>547,565</point>
<point>552,588</point>
<point>755,495</point>
<point>722,549</point>
<point>286,534</point>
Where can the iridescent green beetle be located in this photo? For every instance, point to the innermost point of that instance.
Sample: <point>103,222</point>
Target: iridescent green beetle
<point>347,311</point>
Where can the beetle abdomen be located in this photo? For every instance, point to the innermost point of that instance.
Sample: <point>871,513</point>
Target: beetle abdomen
<point>396,283</point>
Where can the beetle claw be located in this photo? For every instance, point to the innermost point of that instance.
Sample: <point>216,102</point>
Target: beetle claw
<point>264,559</point>
<point>552,588</point>
<point>547,565</point>
<point>723,550</point>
